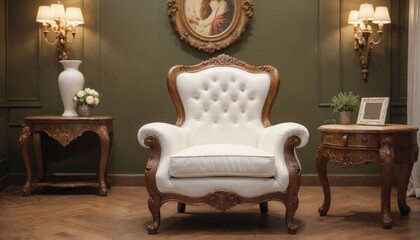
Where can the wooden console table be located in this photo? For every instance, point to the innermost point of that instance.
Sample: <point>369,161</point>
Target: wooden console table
<point>353,145</point>
<point>65,130</point>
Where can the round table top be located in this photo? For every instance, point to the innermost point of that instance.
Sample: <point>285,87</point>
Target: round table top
<point>367,128</point>
<point>61,118</point>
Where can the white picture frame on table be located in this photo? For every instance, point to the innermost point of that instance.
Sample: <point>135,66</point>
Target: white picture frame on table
<point>373,111</point>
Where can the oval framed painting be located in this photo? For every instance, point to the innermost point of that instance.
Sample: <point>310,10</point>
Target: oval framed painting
<point>210,25</point>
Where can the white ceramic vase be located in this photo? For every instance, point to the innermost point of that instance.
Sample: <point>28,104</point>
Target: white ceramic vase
<point>70,81</point>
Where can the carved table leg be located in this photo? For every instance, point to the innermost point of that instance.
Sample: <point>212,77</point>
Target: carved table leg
<point>154,207</point>
<point>321,166</point>
<point>264,207</point>
<point>23,144</point>
<point>405,170</point>
<point>387,168</point>
<point>36,136</point>
<point>181,207</point>
<point>111,139</point>
<point>103,159</point>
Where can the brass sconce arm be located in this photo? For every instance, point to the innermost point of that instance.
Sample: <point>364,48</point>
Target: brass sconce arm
<point>61,22</point>
<point>364,43</point>
<point>362,31</point>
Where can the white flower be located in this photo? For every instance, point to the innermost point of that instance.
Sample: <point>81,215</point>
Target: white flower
<point>81,93</point>
<point>96,100</point>
<point>87,96</point>
<point>94,93</point>
<point>90,100</point>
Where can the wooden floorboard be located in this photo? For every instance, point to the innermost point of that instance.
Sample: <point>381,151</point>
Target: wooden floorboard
<point>80,214</point>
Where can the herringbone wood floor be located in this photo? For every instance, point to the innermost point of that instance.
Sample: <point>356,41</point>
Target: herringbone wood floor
<point>123,214</point>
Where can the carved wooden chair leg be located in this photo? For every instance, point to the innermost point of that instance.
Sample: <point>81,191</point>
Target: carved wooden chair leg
<point>181,207</point>
<point>291,208</point>
<point>264,207</point>
<point>154,207</point>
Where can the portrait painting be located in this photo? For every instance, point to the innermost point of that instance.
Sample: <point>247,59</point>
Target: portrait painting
<point>210,25</point>
<point>209,17</point>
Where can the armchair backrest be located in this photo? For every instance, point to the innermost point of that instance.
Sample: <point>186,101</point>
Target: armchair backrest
<point>223,100</point>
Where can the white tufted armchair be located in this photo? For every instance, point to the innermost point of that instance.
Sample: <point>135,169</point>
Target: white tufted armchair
<point>222,151</point>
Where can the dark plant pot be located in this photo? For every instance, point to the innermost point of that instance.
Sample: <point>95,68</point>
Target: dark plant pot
<point>84,110</point>
<point>344,117</point>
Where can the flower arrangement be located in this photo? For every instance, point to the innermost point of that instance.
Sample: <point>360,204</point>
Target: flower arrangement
<point>87,96</point>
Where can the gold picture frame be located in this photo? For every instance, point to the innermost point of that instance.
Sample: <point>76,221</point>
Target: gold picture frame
<point>373,111</point>
<point>210,27</point>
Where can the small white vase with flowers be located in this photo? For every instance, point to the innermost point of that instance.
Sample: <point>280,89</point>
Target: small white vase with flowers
<point>86,100</point>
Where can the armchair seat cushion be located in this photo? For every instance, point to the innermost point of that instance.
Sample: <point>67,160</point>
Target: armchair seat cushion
<point>222,160</point>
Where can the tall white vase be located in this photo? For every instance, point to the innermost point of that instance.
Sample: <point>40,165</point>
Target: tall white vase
<point>70,81</point>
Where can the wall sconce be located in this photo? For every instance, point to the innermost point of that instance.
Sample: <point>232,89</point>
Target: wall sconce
<point>362,31</point>
<point>61,22</point>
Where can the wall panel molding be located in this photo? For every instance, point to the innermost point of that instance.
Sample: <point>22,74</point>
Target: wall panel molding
<point>399,58</point>
<point>4,135</point>
<point>91,44</point>
<point>23,83</point>
<point>329,65</point>
<point>4,147</point>
<point>3,53</point>
<point>339,69</point>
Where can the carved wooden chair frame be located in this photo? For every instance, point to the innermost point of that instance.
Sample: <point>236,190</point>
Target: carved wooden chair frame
<point>222,200</point>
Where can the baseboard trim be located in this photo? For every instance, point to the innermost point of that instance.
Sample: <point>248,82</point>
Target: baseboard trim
<point>18,179</point>
<point>139,179</point>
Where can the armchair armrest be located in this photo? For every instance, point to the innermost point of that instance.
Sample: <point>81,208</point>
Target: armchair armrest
<point>273,137</point>
<point>171,137</point>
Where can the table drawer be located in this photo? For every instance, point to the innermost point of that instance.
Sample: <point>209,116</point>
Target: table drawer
<point>351,140</point>
<point>351,158</point>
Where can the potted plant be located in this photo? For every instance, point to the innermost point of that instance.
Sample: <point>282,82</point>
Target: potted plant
<point>344,103</point>
<point>86,99</point>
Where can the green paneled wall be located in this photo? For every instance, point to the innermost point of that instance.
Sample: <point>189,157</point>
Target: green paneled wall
<point>2,53</point>
<point>128,46</point>
<point>4,161</point>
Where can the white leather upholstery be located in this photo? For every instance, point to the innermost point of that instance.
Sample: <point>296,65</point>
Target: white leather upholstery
<point>223,105</point>
<point>271,140</point>
<point>223,101</point>
<point>222,160</point>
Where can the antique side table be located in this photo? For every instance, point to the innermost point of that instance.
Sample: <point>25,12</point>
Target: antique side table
<point>64,130</point>
<point>353,145</point>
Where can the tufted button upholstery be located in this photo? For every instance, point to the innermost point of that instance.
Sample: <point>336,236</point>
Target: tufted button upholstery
<point>233,100</point>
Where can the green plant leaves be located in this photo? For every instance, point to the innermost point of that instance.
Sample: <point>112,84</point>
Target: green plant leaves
<point>345,101</point>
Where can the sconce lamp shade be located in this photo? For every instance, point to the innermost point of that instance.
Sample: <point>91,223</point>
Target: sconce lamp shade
<point>363,40</point>
<point>366,12</point>
<point>74,15</point>
<point>57,11</point>
<point>44,14</point>
<point>381,15</point>
<point>62,23</point>
<point>353,17</point>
